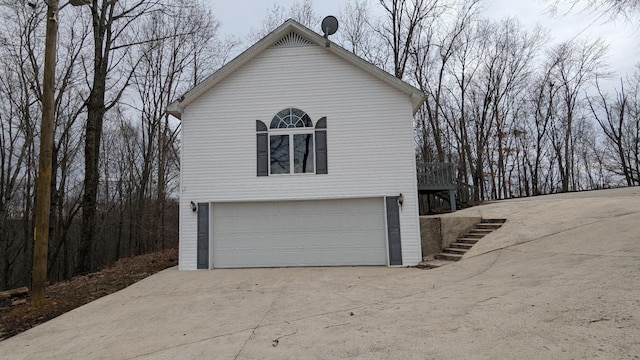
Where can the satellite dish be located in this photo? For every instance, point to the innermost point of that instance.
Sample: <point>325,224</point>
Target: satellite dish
<point>329,27</point>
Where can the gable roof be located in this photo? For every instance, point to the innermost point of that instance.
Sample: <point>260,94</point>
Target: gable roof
<point>177,107</point>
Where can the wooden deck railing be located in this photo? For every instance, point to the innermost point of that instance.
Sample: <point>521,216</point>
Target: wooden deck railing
<point>465,194</point>
<point>436,176</point>
<point>437,184</point>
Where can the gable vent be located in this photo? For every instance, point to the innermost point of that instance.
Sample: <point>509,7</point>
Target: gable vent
<point>292,39</point>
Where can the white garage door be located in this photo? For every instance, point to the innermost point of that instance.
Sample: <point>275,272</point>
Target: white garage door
<point>299,233</point>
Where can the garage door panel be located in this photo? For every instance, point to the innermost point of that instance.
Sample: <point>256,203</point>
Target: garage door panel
<point>298,241</point>
<point>299,233</point>
<point>298,257</point>
<point>340,225</point>
<point>297,222</point>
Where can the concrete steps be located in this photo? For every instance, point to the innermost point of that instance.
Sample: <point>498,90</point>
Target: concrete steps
<point>459,245</point>
<point>489,226</point>
<point>453,250</point>
<point>466,240</point>
<point>448,256</point>
<point>456,250</point>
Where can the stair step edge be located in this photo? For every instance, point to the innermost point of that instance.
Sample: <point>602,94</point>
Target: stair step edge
<point>451,250</point>
<point>494,221</point>
<point>467,241</point>
<point>465,245</point>
<point>446,253</point>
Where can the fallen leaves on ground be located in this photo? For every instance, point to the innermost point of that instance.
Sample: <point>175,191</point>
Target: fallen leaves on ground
<point>75,292</point>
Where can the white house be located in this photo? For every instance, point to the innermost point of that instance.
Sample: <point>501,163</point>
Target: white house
<point>298,154</point>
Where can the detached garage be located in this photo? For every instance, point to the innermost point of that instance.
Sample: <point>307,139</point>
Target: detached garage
<point>298,154</point>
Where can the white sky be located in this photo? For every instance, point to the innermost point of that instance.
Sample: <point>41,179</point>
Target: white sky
<point>238,17</point>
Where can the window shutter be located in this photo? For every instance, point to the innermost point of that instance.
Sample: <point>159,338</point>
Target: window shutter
<point>321,152</point>
<point>321,146</point>
<point>262,148</point>
<point>321,123</point>
<point>260,126</point>
<point>263,154</point>
<point>393,231</point>
<point>203,235</point>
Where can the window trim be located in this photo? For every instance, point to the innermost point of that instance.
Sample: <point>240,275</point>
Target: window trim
<point>291,132</point>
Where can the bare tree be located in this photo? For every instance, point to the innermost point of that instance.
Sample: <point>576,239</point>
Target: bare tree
<point>21,63</point>
<point>620,128</point>
<point>436,44</point>
<point>464,66</point>
<point>404,19</point>
<point>577,64</point>
<point>518,49</point>
<point>93,92</point>
<point>69,115</point>
<point>111,21</point>
<point>543,91</point>
<point>633,129</point>
<point>357,33</point>
<point>630,9</point>
<point>301,11</point>
<point>164,71</point>
<point>491,75</point>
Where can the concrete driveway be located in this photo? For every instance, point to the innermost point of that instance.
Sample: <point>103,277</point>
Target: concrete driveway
<point>561,280</point>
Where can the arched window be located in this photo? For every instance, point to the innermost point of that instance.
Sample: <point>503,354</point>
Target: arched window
<point>290,118</point>
<point>287,147</point>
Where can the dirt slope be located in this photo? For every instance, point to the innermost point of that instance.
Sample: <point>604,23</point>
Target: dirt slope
<point>68,295</point>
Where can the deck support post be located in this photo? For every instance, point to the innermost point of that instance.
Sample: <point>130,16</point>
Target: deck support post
<point>452,199</point>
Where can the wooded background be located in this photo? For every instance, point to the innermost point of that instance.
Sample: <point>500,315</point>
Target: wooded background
<point>518,115</point>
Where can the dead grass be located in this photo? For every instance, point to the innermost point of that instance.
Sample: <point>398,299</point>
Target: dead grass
<point>68,295</point>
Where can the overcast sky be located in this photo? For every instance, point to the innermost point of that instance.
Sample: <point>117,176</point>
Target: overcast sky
<point>239,17</point>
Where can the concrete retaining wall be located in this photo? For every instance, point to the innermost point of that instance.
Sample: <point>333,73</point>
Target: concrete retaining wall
<point>438,233</point>
<point>431,235</point>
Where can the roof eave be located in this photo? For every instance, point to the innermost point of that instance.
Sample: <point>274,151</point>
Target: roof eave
<point>417,100</point>
<point>177,107</point>
<point>417,96</point>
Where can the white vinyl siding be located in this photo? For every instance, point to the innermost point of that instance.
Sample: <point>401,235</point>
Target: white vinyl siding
<point>369,139</point>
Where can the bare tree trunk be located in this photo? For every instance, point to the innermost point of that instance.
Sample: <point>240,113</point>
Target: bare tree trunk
<point>106,16</point>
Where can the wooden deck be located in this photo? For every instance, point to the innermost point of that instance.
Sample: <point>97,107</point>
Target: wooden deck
<point>440,180</point>
<point>436,177</point>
